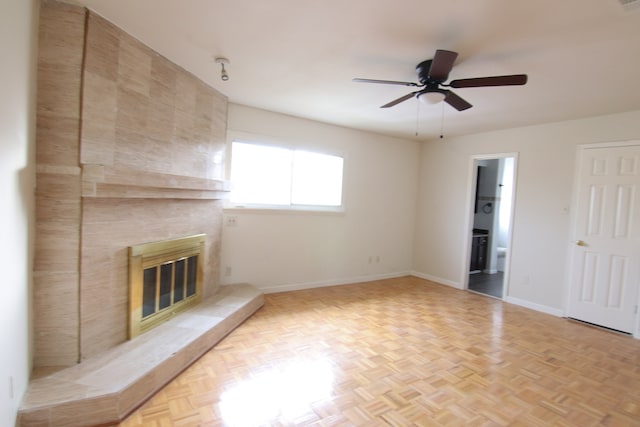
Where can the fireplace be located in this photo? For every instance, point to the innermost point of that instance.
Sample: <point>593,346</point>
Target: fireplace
<point>165,278</point>
<point>130,149</point>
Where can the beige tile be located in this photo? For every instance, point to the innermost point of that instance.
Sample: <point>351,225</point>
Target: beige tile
<point>58,186</point>
<point>160,121</point>
<point>98,143</point>
<point>132,110</point>
<point>98,120</point>
<point>58,90</point>
<point>55,254</point>
<point>100,101</point>
<point>57,140</point>
<point>35,418</point>
<point>61,34</point>
<point>186,86</point>
<point>136,393</point>
<point>103,45</point>
<point>66,213</point>
<point>101,410</point>
<point>163,81</point>
<point>134,65</point>
<point>129,126</point>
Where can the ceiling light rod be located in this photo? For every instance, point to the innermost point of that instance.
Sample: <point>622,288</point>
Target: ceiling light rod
<point>223,73</point>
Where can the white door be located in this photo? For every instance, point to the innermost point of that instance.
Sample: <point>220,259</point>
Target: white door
<point>605,272</point>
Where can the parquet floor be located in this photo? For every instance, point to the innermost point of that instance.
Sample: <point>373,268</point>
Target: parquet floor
<point>404,352</point>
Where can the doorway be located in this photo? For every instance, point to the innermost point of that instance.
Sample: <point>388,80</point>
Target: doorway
<point>605,277</point>
<point>492,195</point>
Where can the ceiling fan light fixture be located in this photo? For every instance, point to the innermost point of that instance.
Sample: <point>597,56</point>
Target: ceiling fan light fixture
<point>432,75</point>
<point>431,97</point>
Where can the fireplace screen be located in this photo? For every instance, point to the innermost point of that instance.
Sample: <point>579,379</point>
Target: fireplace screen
<point>164,279</point>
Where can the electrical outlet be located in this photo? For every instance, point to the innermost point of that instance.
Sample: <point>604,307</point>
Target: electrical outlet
<point>231,221</point>
<point>227,271</point>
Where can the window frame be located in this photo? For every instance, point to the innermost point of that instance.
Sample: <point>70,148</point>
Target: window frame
<point>287,145</point>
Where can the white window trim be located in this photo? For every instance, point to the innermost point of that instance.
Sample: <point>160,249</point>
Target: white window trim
<point>256,139</point>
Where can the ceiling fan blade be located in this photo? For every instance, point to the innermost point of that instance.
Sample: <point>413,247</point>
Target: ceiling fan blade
<point>399,100</point>
<point>512,80</point>
<point>456,102</point>
<point>386,82</point>
<point>442,64</point>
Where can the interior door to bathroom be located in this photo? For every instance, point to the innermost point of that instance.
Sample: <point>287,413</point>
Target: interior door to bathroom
<point>605,271</point>
<point>490,220</point>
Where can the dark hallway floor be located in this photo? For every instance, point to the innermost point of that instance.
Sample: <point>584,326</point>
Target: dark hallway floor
<point>489,284</point>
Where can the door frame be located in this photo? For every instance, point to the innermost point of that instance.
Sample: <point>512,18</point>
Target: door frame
<point>471,192</point>
<point>574,221</point>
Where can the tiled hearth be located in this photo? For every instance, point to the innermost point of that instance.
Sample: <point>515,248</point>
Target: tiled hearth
<point>104,389</point>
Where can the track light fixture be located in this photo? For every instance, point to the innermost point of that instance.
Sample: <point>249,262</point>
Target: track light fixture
<point>223,73</point>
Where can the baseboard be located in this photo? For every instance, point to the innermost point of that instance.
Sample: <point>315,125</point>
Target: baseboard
<point>335,282</point>
<point>533,306</point>
<point>516,301</point>
<point>436,279</point>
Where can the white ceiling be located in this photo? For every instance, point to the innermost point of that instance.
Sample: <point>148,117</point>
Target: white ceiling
<point>298,56</point>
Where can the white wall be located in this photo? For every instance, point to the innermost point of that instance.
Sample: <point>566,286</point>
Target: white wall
<point>18,39</point>
<point>541,228</point>
<point>281,251</point>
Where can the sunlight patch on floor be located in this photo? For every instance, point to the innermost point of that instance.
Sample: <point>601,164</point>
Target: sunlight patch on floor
<point>282,393</point>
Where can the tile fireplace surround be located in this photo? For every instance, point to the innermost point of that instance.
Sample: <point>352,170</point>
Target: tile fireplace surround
<point>130,149</point>
<point>104,389</point>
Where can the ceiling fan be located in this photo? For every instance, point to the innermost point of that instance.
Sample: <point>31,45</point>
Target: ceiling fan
<point>432,74</point>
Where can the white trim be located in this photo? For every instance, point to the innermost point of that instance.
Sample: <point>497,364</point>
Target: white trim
<point>287,143</point>
<point>289,209</point>
<point>609,144</point>
<point>533,306</point>
<point>464,276</point>
<point>363,279</point>
<point>325,283</point>
<point>438,280</point>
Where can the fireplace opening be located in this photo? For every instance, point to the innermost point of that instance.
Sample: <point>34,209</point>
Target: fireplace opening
<point>165,278</point>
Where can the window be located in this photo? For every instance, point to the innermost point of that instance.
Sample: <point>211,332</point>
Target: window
<point>279,177</point>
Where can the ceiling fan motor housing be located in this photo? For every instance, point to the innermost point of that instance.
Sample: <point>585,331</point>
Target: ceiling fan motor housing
<point>423,69</point>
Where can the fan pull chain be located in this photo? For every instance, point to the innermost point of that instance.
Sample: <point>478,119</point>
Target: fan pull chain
<point>442,122</point>
<point>417,117</point>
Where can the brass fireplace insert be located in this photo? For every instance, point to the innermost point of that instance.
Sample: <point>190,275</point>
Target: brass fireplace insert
<point>165,278</point>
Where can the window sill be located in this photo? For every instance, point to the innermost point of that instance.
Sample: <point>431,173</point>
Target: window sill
<point>285,210</point>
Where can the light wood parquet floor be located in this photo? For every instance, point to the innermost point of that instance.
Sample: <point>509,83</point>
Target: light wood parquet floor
<point>404,352</point>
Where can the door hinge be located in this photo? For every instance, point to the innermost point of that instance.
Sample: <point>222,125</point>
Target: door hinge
<point>635,310</point>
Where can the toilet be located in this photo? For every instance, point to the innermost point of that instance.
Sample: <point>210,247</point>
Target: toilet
<point>502,254</point>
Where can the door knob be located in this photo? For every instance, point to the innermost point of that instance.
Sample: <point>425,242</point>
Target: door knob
<point>580,243</point>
